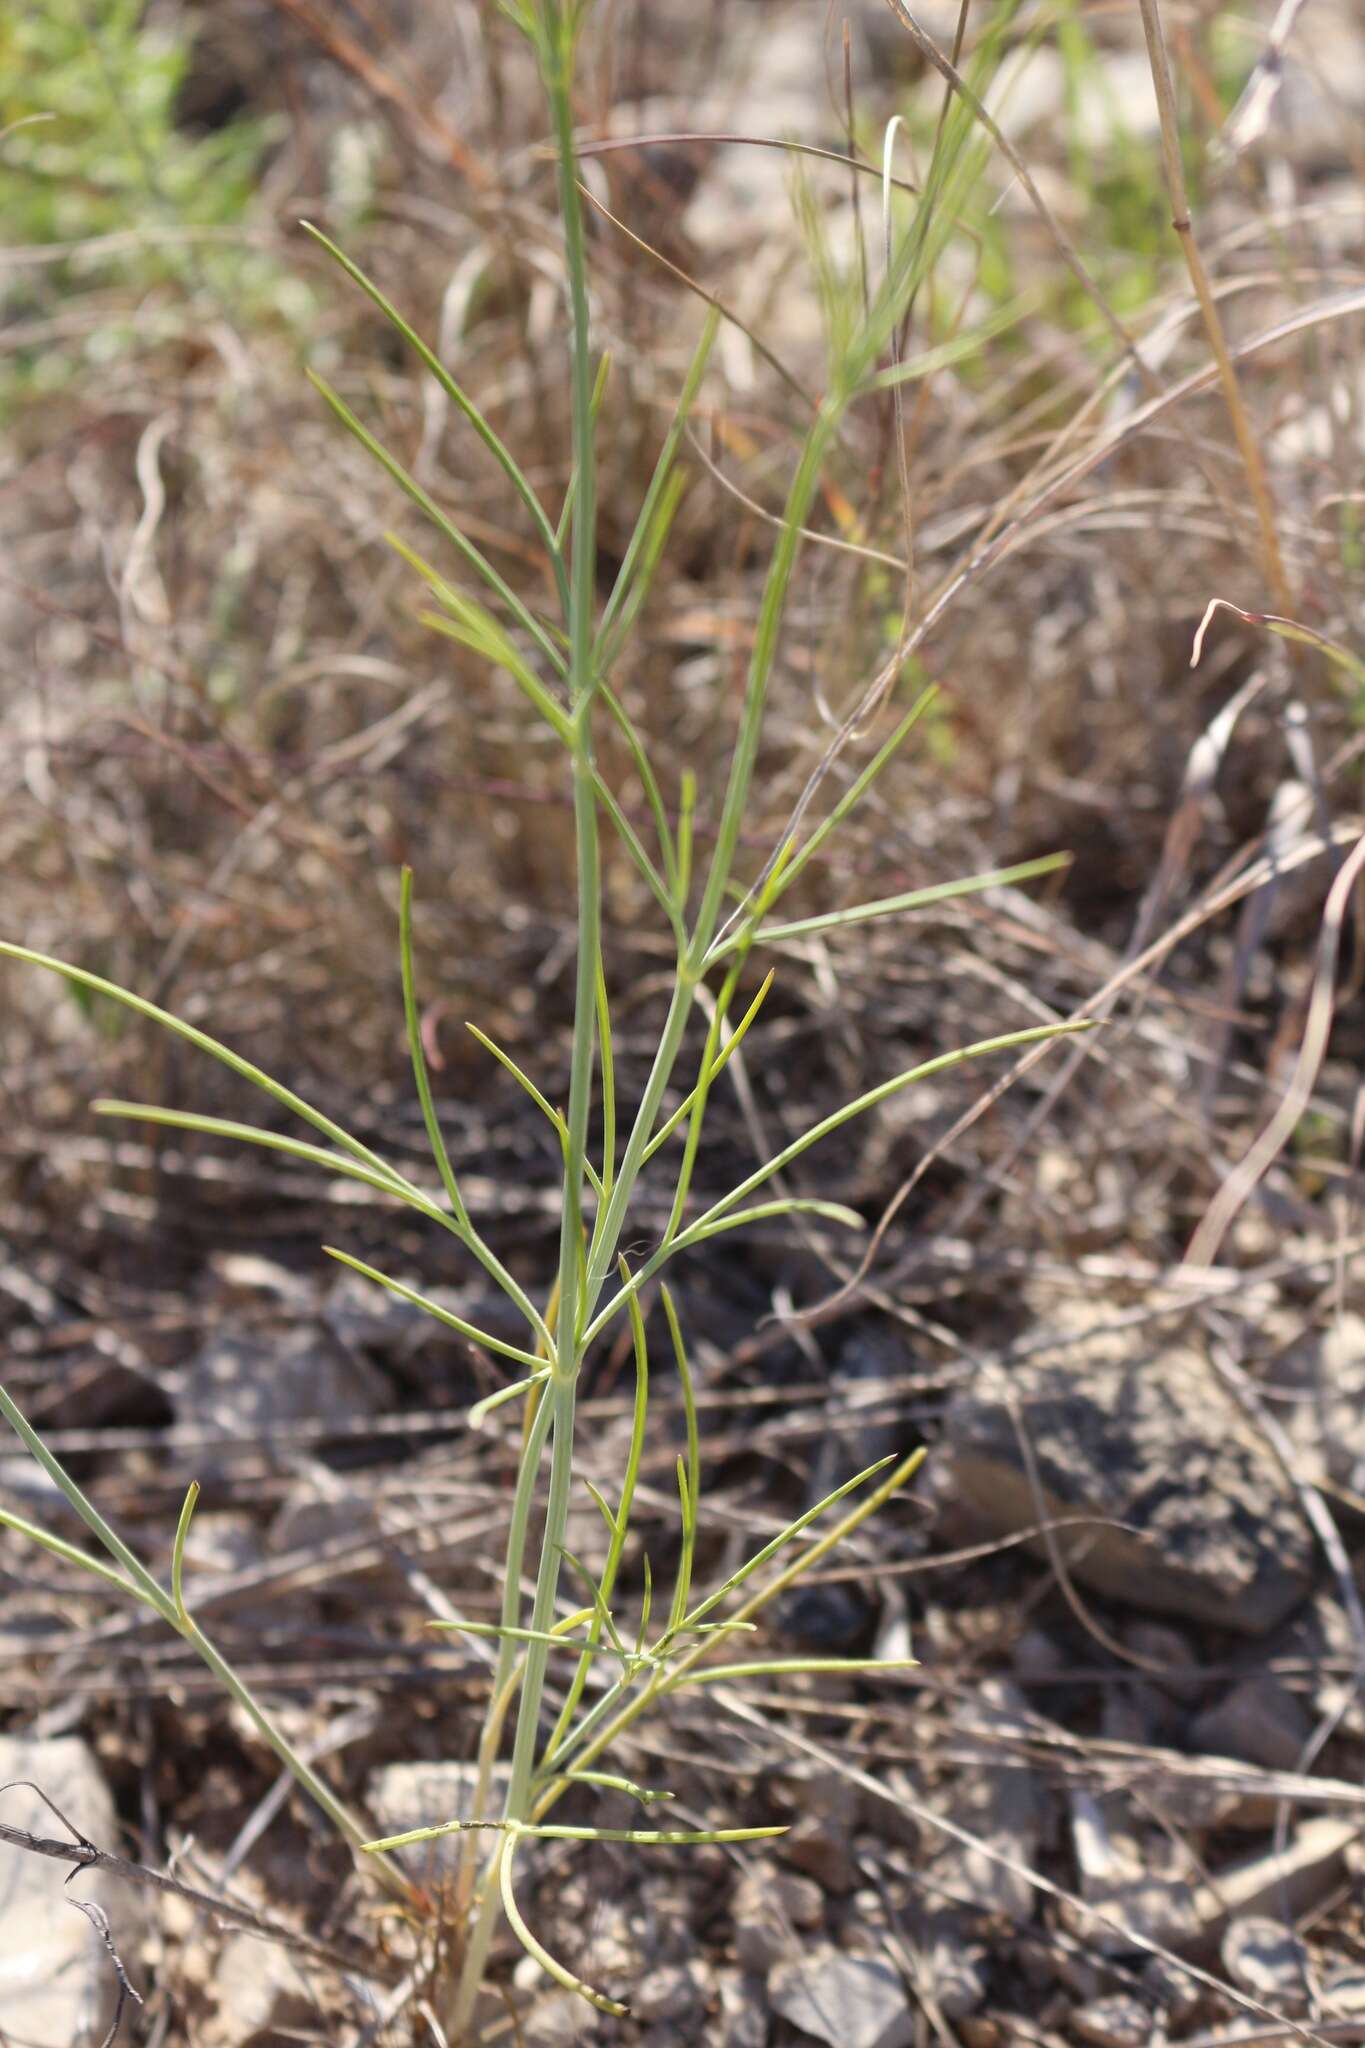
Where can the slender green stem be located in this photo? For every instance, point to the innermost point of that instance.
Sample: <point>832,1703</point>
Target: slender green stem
<point>555,39</point>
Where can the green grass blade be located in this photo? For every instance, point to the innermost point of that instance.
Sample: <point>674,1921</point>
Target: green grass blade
<point>861,783</point>
<point>571,494</point>
<point>387,1183</point>
<point>503,655</point>
<point>472,626</point>
<point>651,555</point>
<point>618,1523</point>
<point>607,1061</point>
<point>667,1838</point>
<point>547,1109</point>
<point>601,1614</point>
<point>764,1212</point>
<point>498,1633</point>
<point>417,1051</point>
<point>649,782</point>
<point>495,445</point>
<point>603,1506</point>
<point>607,1781</point>
<point>646,1605</point>
<point>564,1978</point>
<point>687,809</point>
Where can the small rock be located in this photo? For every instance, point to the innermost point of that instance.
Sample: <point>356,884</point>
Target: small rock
<point>824,1850</point>
<point>981,2033</point>
<point>1118,1874</point>
<point>1038,1657</point>
<point>1320,1637</point>
<point>1117,2022</point>
<point>1260,1722</point>
<point>1003,1807</point>
<point>743,2004</point>
<point>248,1381</point>
<point>1343,1992</point>
<point>953,1967</point>
<point>258,1989</point>
<point>1192,1514</point>
<point>1294,1882</point>
<point>768,1907</point>
<point>676,1993</point>
<point>1174,1991</point>
<point>1135,1713</point>
<point>827,1809</point>
<point>1266,1959</point>
<point>555,2021</point>
<point>848,2001</point>
<point>1051,1959</point>
<point>1159,1644</point>
<point>57,1985</point>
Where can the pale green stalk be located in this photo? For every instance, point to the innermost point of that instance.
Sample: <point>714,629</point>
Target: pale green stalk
<point>555,41</point>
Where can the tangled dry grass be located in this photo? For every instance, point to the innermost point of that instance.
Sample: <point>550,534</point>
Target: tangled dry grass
<point>224,729</point>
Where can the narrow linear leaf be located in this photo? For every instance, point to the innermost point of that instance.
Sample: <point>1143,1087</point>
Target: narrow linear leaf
<point>143,1584</point>
<point>650,1837</point>
<point>798,860</point>
<point>668,454</point>
<point>1009,1041</point>
<point>442,1315</point>
<point>605,1781</point>
<point>386,1182</point>
<point>496,446</point>
<point>793,1205</point>
<point>689,1470</point>
<point>782,1539</point>
<point>422,498</point>
<point>69,1554</point>
<point>481,1410</point>
<point>182,1531</point>
<point>547,1109</point>
<point>495,1632</point>
<point>726,1053</point>
<point>417,1051</point>
<point>893,906</point>
<point>537,1949</point>
<point>287,1099</point>
<point>787,1667</point>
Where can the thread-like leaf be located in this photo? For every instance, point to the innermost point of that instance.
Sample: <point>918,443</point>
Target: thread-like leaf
<point>416,1049</point>
<point>441,1313</point>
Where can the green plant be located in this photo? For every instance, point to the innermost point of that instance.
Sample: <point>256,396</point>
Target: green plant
<point>92,161</point>
<point>717,917</point>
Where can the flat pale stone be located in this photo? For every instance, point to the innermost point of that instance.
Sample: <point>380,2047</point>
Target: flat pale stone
<point>848,2001</point>
<point>58,1988</point>
<point>1189,1512</point>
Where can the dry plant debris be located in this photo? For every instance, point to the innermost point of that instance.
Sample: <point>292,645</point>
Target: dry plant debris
<point>1119,1802</point>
